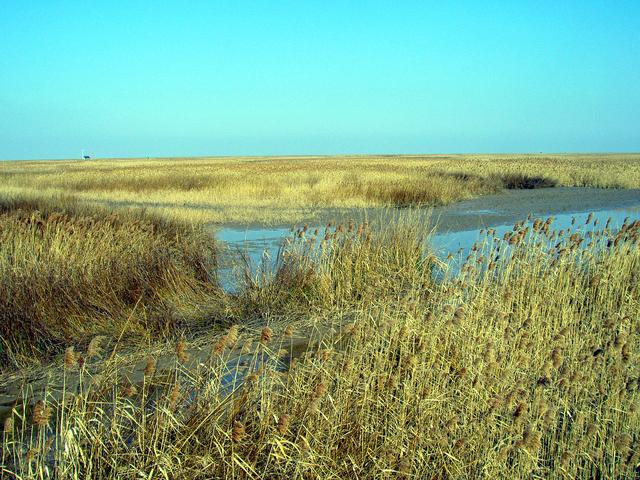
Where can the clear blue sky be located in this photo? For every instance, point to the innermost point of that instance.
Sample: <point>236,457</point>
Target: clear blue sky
<point>296,77</point>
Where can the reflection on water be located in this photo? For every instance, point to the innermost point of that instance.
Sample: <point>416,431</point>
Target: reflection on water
<point>451,242</point>
<point>262,244</point>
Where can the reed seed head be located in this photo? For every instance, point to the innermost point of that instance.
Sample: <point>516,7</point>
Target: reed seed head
<point>623,443</point>
<point>266,335</point>
<point>347,365</point>
<point>181,351</point>
<point>41,414</point>
<point>252,379</point>
<point>32,454</point>
<point>458,316</point>
<point>320,390</point>
<point>70,359</point>
<point>410,362</point>
<point>303,445</point>
<point>8,425</point>
<point>289,331</point>
<point>129,390</point>
<point>150,367</point>
<point>94,348</point>
<point>283,424</point>
<point>405,466</point>
<point>174,396</point>
<point>238,432</point>
<point>220,345</point>
<point>351,329</point>
<point>246,347</point>
<point>532,440</point>
<point>232,335</point>
<point>325,354</point>
<point>556,357</point>
<point>520,411</point>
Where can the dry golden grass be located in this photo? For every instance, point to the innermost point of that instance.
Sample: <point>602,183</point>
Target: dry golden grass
<point>68,272</point>
<point>285,190</point>
<point>523,366</point>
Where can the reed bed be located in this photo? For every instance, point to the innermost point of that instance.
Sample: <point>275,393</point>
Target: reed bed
<point>69,272</point>
<point>522,363</point>
<point>338,265</point>
<point>289,189</point>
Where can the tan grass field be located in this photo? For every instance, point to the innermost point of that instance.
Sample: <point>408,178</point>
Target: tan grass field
<point>70,271</point>
<point>523,366</point>
<point>525,363</point>
<point>286,189</point>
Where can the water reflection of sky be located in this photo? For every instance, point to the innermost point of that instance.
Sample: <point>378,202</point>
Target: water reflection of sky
<point>261,243</point>
<point>445,242</point>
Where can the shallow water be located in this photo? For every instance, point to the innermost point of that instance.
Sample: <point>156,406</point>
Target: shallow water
<point>461,241</point>
<point>452,224</point>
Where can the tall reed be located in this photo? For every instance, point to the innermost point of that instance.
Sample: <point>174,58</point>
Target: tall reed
<point>69,272</point>
<point>527,369</point>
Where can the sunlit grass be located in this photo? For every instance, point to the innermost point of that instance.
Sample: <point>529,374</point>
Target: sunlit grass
<point>347,359</point>
<point>525,364</point>
<point>284,190</point>
<point>68,272</point>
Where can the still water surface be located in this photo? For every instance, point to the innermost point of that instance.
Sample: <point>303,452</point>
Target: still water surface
<point>452,233</point>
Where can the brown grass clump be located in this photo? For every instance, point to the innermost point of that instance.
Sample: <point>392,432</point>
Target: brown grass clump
<point>345,269</point>
<point>69,272</point>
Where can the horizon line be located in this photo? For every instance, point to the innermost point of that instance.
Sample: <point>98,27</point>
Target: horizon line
<point>315,155</point>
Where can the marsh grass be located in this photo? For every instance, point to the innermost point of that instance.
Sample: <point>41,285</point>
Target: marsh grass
<point>340,264</point>
<point>69,272</point>
<point>523,364</point>
<point>285,190</point>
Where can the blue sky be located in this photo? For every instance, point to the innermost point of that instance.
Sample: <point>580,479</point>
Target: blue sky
<point>299,77</point>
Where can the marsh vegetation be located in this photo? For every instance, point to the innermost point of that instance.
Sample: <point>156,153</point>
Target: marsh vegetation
<point>357,353</point>
<point>69,272</point>
<point>525,363</point>
<point>286,190</point>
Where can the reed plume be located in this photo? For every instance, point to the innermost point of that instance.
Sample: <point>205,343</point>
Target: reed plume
<point>232,335</point>
<point>266,335</point>
<point>94,349</point>
<point>41,414</point>
<point>238,432</point>
<point>70,359</point>
<point>181,352</point>
<point>283,424</point>
<point>8,425</point>
<point>150,367</point>
<point>289,331</point>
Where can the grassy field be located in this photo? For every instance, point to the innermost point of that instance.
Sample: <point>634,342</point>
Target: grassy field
<point>523,365</point>
<point>69,272</point>
<point>347,359</point>
<point>285,190</point>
